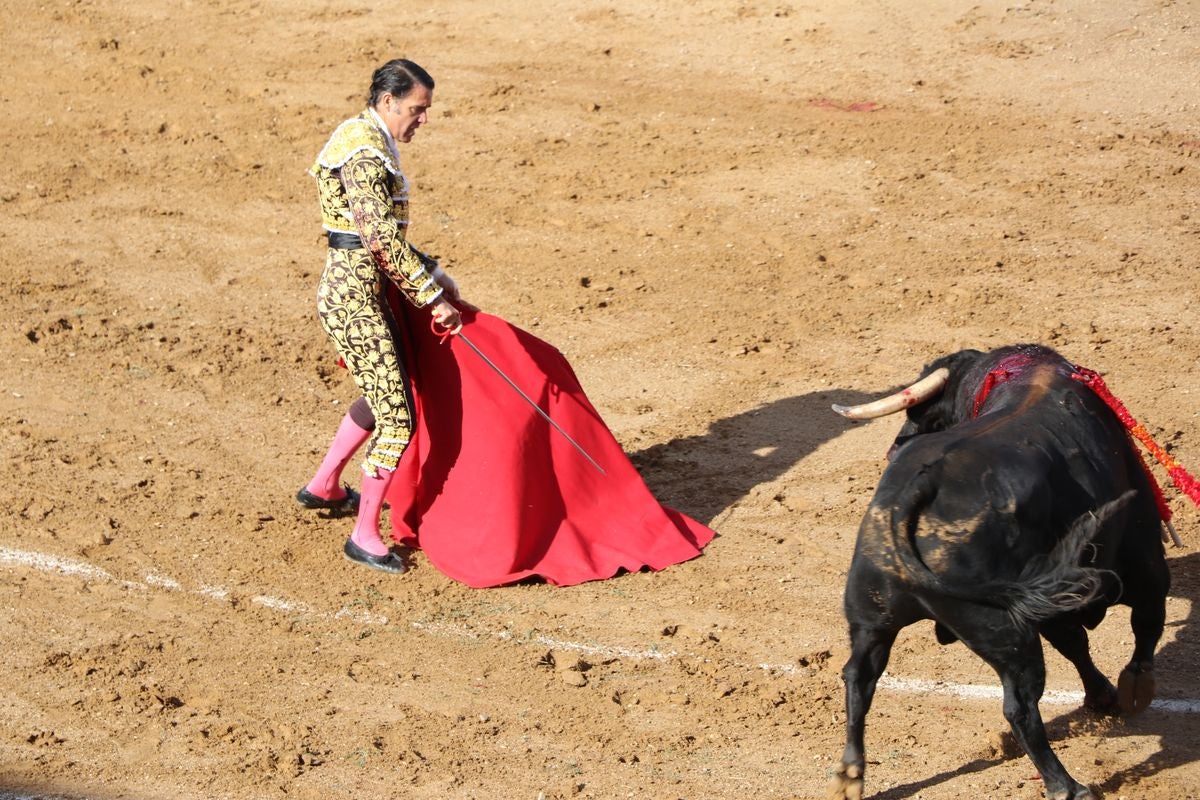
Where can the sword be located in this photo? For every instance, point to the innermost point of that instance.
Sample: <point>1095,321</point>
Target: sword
<point>444,334</point>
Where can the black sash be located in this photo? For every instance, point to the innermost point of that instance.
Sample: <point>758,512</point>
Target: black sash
<point>344,241</point>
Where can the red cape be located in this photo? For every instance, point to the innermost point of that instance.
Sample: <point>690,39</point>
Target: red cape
<point>493,494</point>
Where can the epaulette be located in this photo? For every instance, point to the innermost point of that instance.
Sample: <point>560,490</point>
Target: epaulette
<point>355,134</point>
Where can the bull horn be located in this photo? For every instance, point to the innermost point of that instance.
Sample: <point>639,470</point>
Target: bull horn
<point>919,392</point>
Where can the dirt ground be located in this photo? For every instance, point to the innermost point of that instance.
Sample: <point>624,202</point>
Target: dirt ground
<point>727,215</point>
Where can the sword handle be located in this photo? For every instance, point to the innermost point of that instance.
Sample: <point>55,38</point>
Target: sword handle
<point>439,330</point>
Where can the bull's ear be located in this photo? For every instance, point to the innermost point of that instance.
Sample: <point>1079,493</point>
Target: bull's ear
<point>907,434</point>
<point>959,367</point>
<point>928,417</point>
<point>958,363</point>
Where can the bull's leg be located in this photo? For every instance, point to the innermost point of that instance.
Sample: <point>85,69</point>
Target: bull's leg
<point>1136,684</point>
<point>1016,655</point>
<point>1147,597</point>
<point>1022,690</point>
<point>1071,640</point>
<point>870,648</point>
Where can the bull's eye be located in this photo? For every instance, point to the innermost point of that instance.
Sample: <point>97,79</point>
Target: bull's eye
<point>899,442</point>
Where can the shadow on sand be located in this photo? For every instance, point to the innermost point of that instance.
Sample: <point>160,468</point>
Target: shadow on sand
<point>703,475</point>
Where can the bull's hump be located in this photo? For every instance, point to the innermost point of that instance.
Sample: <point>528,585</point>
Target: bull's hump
<point>1041,380</point>
<point>1022,394</point>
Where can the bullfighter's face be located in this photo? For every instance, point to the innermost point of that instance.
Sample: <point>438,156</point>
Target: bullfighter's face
<point>403,115</point>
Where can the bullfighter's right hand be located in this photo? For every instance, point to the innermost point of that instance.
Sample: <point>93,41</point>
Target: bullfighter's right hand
<point>446,315</point>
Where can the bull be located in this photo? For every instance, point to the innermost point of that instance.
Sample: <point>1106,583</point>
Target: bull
<point>1013,506</point>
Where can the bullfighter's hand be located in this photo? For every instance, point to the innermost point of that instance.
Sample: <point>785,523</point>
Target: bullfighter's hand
<point>446,315</point>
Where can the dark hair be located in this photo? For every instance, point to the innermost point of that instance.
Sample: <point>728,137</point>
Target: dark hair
<point>397,78</point>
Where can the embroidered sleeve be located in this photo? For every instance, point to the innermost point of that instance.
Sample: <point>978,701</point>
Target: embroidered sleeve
<point>366,182</point>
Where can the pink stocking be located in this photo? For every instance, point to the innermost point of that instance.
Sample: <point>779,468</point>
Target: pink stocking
<point>366,529</point>
<point>350,436</point>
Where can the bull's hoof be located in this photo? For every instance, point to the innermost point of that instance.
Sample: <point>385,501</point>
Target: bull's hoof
<point>847,784</point>
<point>1080,792</point>
<point>1104,701</point>
<point>1135,690</point>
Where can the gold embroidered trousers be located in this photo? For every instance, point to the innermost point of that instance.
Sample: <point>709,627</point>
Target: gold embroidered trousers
<point>353,312</point>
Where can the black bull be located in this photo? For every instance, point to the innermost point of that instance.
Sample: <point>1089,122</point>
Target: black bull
<point>1002,516</point>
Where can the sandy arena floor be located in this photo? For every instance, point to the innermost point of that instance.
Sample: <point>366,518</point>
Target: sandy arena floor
<point>728,215</point>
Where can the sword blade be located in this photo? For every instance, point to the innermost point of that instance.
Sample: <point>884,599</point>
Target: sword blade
<point>529,400</point>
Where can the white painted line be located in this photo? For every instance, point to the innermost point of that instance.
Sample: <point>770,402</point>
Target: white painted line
<point>1177,706</point>
<point>80,569</point>
<point>214,592</point>
<point>277,604</point>
<point>977,692</point>
<point>163,582</point>
<point>361,617</point>
<point>63,566</point>
<point>605,651</point>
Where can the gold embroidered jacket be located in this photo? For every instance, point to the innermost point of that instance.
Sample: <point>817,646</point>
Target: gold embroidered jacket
<point>363,191</point>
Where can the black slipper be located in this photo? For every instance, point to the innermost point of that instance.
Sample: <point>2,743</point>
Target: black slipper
<point>389,562</point>
<point>347,504</point>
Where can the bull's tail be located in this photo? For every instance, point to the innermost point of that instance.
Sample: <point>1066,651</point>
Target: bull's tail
<point>1058,582</point>
<point>1049,584</point>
